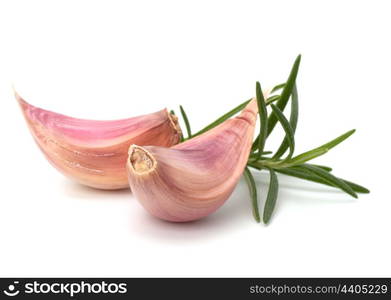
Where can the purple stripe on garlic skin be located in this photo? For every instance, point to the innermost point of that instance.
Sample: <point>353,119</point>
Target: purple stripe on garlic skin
<point>193,179</point>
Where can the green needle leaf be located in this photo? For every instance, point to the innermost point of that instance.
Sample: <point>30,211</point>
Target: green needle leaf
<point>172,112</point>
<point>293,122</point>
<point>356,187</point>
<point>223,118</point>
<point>272,99</point>
<point>326,168</point>
<point>338,140</point>
<point>255,144</point>
<point>255,166</point>
<point>303,174</point>
<point>254,155</point>
<point>269,101</point>
<point>292,171</point>
<point>289,133</point>
<point>331,179</point>
<point>262,118</point>
<point>253,193</point>
<point>285,94</point>
<point>277,87</point>
<point>306,156</point>
<point>186,120</point>
<point>271,198</point>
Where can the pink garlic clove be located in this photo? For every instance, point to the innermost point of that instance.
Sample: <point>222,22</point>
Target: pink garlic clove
<point>94,153</point>
<point>193,179</point>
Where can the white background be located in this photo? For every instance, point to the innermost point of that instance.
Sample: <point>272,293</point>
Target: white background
<point>115,59</point>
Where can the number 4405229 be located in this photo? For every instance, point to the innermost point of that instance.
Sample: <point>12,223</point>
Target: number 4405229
<point>364,289</point>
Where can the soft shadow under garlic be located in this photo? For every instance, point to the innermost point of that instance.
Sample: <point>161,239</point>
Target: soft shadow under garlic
<point>231,217</point>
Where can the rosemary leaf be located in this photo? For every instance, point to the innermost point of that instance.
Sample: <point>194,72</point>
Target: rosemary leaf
<point>255,144</point>
<point>268,102</point>
<point>255,154</point>
<point>326,168</point>
<point>331,179</point>
<point>303,174</point>
<point>271,198</point>
<point>272,99</point>
<point>223,118</point>
<point>172,112</point>
<point>292,120</point>
<point>262,119</point>
<point>255,166</point>
<point>277,87</point>
<point>253,193</point>
<point>186,120</point>
<point>289,133</point>
<point>285,94</point>
<point>292,171</point>
<point>306,156</point>
<point>338,140</point>
<point>356,187</point>
<point>280,164</point>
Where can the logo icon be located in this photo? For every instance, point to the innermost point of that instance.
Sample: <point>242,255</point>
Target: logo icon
<point>12,291</point>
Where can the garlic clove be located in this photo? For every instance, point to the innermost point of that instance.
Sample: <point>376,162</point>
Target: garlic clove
<point>94,153</point>
<point>191,180</point>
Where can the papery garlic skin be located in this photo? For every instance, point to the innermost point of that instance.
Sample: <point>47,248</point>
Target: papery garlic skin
<point>94,153</point>
<point>193,179</point>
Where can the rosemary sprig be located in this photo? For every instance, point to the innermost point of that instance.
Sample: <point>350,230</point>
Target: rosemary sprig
<point>223,118</point>
<point>186,120</point>
<point>285,94</point>
<point>253,193</point>
<point>272,99</point>
<point>289,133</point>
<point>300,172</point>
<point>296,166</point>
<point>292,121</point>
<point>271,198</point>
<point>262,110</point>
<point>277,87</point>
